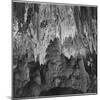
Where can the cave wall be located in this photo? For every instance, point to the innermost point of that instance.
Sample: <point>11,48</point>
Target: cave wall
<point>54,41</point>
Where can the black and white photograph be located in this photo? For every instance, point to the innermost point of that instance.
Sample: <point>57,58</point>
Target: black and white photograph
<point>54,49</point>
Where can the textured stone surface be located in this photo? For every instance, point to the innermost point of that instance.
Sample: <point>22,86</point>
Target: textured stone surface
<point>53,46</point>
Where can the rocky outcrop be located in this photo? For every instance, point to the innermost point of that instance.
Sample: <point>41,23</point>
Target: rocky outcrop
<point>55,41</point>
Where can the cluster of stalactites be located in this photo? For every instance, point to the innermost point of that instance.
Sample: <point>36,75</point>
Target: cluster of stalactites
<point>60,23</point>
<point>50,22</point>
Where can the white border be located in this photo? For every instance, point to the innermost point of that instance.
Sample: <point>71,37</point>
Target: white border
<point>5,49</point>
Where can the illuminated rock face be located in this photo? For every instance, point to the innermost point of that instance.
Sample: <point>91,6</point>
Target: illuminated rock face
<point>48,23</point>
<point>53,24</point>
<point>58,38</point>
